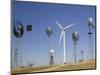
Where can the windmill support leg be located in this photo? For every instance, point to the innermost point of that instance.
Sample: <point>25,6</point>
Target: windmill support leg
<point>74,53</point>
<point>82,56</point>
<point>51,60</point>
<point>16,58</point>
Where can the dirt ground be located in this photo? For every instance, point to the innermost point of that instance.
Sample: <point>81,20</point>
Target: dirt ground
<point>84,65</point>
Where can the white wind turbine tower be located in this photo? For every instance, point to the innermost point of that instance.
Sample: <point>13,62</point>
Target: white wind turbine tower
<point>63,34</point>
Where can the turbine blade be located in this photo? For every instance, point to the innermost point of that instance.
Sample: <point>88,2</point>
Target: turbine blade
<point>60,36</point>
<point>69,25</point>
<point>59,24</point>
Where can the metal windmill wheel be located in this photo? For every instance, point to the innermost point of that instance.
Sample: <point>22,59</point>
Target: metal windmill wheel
<point>49,31</point>
<point>18,29</point>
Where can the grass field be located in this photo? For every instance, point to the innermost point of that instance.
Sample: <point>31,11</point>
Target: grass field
<point>84,65</point>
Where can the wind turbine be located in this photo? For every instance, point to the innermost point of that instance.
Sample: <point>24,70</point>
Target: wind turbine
<point>63,34</point>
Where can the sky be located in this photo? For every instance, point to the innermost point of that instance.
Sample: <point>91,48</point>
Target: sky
<point>34,44</point>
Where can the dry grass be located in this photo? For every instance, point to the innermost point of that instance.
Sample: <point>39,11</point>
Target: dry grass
<point>61,67</point>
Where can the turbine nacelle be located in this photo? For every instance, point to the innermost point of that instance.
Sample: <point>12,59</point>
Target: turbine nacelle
<point>63,29</point>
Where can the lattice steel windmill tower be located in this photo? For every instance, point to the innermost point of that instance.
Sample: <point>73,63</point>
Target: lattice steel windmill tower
<point>82,53</point>
<point>18,30</point>
<point>90,52</point>
<point>49,32</point>
<point>75,37</point>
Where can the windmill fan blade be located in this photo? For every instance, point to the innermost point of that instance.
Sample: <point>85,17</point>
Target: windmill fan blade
<point>59,24</point>
<point>69,25</point>
<point>60,36</point>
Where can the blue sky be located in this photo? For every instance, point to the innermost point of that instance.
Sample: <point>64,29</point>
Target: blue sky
<point>34,44</point>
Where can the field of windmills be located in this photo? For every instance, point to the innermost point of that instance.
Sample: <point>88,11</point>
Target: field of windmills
<point>45,40</point>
